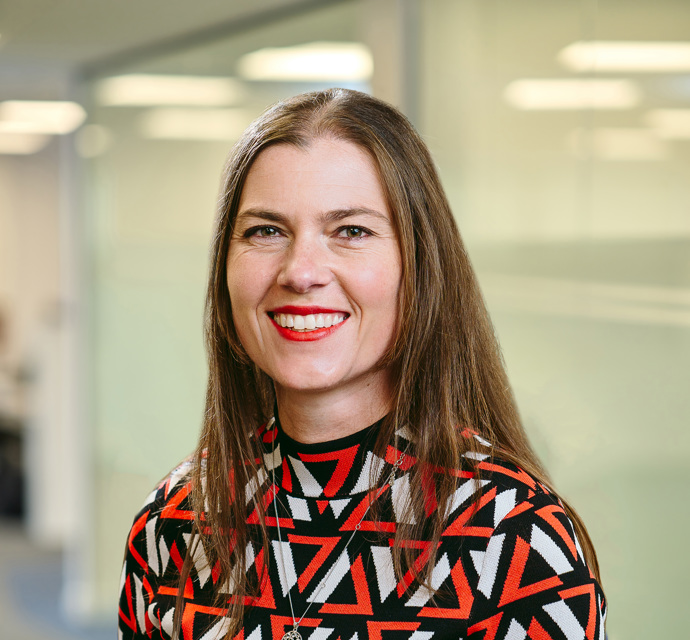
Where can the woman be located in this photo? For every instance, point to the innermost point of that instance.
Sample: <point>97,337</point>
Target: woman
<point>362,470</point>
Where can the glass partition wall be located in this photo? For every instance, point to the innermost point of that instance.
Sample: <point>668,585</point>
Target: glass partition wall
<point>569,180</point>
<point>561,130</point>
<point>158,133</point>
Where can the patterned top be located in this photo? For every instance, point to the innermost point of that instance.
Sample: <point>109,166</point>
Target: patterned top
<point>515,570</point>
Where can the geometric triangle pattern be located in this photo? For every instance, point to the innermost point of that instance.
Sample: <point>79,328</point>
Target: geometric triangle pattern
<point>509,566</point>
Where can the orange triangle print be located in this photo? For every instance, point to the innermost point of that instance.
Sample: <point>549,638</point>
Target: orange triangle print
<point>359,512</point>
<point>322,504</point>
<point>512,590</point>
<point>490,625</point>
<point>464,593</point>
<point>327,545</point>
<point>363,605</point>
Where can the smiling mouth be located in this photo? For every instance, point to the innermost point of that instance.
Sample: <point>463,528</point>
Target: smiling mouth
<point>309,322</point>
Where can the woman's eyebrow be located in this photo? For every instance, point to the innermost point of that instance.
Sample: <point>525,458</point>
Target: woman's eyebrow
<point>334,215</point>
<point>341,214</point>
<point>263,214</point>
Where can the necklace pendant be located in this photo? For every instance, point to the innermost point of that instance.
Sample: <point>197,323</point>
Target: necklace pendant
<point>293,634</point>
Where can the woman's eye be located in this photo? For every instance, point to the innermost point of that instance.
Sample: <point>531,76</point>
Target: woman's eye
<point>353,232</point>
<point>262,232</point>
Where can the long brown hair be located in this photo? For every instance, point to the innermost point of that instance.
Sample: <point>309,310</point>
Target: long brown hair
<point>445,361</point>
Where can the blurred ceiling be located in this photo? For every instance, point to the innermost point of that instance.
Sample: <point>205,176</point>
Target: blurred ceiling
<point>42,42</point>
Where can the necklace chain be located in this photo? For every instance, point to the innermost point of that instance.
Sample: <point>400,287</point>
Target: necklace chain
<point>294,633</point>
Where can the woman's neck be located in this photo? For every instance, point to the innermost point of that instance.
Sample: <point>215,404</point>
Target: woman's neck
<point>311,417</point>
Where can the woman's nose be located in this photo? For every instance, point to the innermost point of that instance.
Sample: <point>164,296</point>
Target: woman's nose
<point>305,266</point>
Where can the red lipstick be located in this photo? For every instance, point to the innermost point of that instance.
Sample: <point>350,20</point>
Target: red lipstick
<point>305,311</point>
<point>305,336</point>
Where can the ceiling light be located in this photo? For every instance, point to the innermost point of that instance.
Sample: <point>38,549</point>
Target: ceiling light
<point>22,143</point>
<point>194,124</point>
<point>626,56</point>
<point>40,116</point>
<point>315,61</point>
<point>563,94</point>
<point>670,123</point>
<point>153,90</point>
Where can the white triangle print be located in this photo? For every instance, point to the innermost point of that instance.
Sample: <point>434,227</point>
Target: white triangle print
<point>320,633</point>
<point>165,554</point>
<point>310,487</point>
<point>516,631</point>
<point>385,573</point>
<point>477,560</point>
<point>490,566</point>
<point>338,505</point>
<point>364,482</point>
<point>299,508</point>
<point>544,545</point>
<point>286,568</point>
<point>151,551</point>
<point>255,635</point>
<point>504,503</point>
<point>167,621</point>
<point>217,631</point>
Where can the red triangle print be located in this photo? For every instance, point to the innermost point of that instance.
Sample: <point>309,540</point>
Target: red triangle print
<point>286,523</point>
<point>458,526</point>
<point>190,610</point>
<point>137,527</point>
<point>375,629</point>
<point>363,605</point>
<point>171,511</point>
<point>129,618</point>
<point>464,593</point>
<point>537,632</point>
<point>585,589</point>
<point>512,590</point>
<point>266,599</point>
<point>327,545</point>
<point>322,504</point>
<point>345,458</point>
<point>519,475</point>
<point>548,513</point>
<point>360,510</point>
<point>490,625</point>
<point>418,565</point>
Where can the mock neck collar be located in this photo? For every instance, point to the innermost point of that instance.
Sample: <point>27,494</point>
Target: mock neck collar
<point>325,470</point>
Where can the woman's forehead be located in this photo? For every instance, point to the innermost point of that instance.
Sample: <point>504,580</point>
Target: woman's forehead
<point>328,174</point>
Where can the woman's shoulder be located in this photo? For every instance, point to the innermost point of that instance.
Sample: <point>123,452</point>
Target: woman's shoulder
<point>523,555</point>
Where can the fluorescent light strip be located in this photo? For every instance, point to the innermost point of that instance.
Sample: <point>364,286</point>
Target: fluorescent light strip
<point>649,57</point>
<point>40,116</point>
<point>22,143</point>
<point>312,62</point>
<point>570,94</point>
<point>161,90</point>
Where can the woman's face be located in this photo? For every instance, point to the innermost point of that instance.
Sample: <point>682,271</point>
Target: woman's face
<point>314,269</point>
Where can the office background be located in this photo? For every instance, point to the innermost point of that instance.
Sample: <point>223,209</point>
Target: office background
<point>561,129</point>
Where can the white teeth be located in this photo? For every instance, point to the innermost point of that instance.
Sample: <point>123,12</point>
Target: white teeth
<point>308,322</point>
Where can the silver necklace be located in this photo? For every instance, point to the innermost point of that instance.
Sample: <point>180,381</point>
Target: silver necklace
<point>294,634</point>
